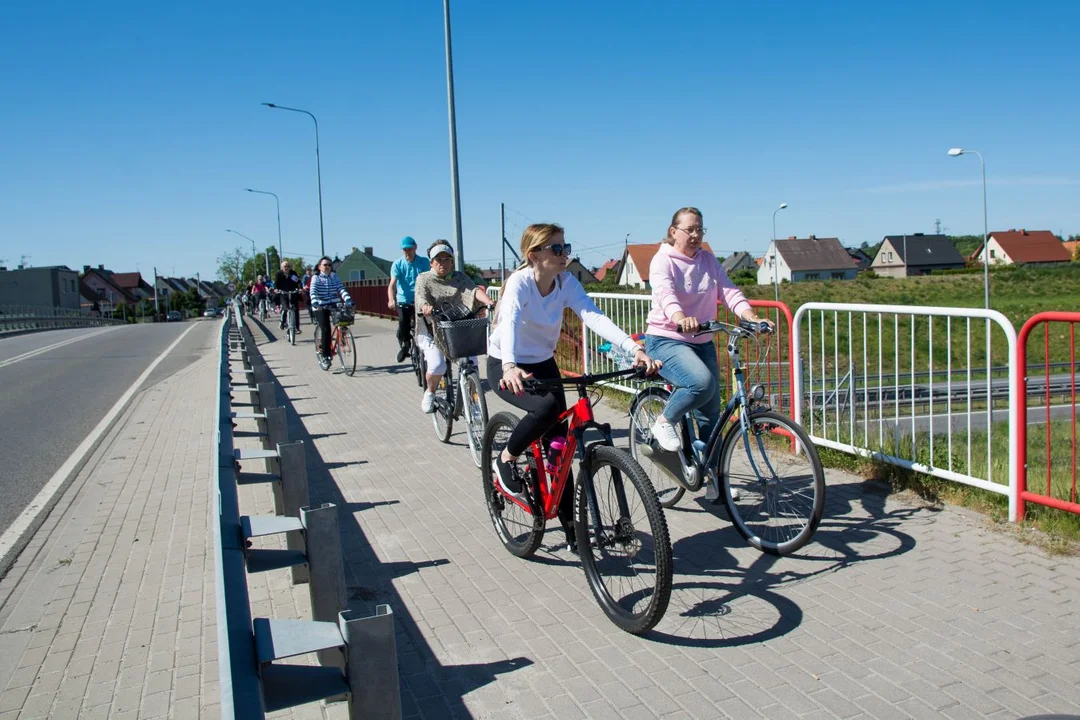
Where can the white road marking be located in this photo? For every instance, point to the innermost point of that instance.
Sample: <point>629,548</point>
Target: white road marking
<point>47,348</point>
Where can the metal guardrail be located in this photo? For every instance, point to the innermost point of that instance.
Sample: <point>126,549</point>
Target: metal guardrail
<point>14,318</point>
<point>357,656</point>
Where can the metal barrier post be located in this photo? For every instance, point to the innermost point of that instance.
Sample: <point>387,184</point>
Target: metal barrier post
<point>294,495</point>
<point>276,428</point>
<point>326,584</point>
<point>266,395</point>
<point>371,666</point>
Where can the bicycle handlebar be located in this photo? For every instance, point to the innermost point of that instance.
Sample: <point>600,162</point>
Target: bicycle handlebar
<point>745,328</point>
<point>533,385</point>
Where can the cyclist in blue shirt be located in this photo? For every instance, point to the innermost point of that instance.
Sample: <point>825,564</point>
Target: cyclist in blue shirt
<point>402,289</point>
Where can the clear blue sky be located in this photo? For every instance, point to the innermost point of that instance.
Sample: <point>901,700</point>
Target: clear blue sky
<point>130,129</point>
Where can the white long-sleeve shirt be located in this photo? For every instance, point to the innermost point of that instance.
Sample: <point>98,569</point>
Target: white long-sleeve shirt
<point>528,323</point>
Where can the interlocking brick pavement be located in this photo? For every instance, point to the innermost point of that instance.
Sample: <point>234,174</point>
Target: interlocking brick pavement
<point>894,611</point>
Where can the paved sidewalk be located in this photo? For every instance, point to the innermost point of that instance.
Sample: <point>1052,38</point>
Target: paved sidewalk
<point>894,610</point>
<point>109,612</point>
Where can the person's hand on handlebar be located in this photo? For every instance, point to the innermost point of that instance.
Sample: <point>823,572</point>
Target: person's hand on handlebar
<point>642,360</point>
<point>427,309</point>
<point>513,379</point>
<point>752,317</point>
<point>685,323</point>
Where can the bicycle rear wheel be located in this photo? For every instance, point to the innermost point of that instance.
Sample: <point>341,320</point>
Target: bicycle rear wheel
<point>623,540</point>
<point>346,351</point>
<point>317,337</point>
<point>443,417</point>
<point>775,494</point>
<point>646,407</point>
<point>521,530</point>
<point>474,408</point>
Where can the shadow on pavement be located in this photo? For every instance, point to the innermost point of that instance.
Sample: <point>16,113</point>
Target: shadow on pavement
<point>427,685</point>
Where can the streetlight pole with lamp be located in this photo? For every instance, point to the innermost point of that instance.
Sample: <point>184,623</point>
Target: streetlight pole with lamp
<point>318,166</point>
<point>957,152</point>
<point>776,282</point>
<point>254,252</point>
<point>277,201</point>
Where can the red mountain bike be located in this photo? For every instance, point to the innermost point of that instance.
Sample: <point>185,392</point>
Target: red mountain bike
<point>617,517</point>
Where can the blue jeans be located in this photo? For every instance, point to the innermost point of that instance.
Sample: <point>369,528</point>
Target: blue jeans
<point>693,369</point>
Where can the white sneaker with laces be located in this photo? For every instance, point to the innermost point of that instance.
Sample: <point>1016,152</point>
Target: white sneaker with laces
<point>427,403</point>
<point>666,435</point>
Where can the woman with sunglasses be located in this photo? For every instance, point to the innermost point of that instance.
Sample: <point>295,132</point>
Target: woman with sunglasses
<point>528,320</point>
<point>435,288</point>
<point>326,291</point>
<point>687,283</point>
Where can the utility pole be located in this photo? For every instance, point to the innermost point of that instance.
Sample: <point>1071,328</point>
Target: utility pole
<point>157,308</point>
<point>454,192</point>
<point>502,234</point>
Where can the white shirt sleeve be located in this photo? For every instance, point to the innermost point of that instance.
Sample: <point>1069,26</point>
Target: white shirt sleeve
<point>510,305</point>
<point>579,301</point>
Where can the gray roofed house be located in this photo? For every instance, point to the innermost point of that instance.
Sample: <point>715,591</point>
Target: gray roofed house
<point>812,258</point>
<point>916,254</point>
<point>739,261</point>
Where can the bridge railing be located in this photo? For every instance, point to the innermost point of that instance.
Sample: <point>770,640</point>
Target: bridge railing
<point>1046,459</point>
<point>356,656</point>
<point>14,318</point>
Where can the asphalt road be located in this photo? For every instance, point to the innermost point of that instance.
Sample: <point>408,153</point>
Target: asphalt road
<point>51,401</point>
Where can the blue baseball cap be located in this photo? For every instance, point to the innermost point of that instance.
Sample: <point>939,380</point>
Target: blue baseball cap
<point>407,242</point>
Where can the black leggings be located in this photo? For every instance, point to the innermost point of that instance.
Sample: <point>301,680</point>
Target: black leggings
<point>542,409</point>
<point>322,316</point>
<point>406,316</point>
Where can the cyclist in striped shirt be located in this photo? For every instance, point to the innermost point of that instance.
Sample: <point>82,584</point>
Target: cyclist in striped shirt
<point>326,290</point>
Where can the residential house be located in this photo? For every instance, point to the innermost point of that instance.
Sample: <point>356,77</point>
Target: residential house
<point>739,261</point>
<point>56,286</point>
<point>916,254</point>
<point>134,284</point>
<point>611,266</point>
<point>1024,247</point>
<point>860,258</point>
<point>582,273</point>
<point>103,283</point>
<point>1073,246</point>
<point>799,259</point>
<point>364,265</point>
<point>634,266</point>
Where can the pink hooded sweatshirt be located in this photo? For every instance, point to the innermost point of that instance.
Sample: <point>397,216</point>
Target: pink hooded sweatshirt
<point>692,285</point>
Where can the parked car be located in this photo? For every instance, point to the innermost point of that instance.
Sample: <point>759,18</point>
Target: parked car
<point>174,316</point>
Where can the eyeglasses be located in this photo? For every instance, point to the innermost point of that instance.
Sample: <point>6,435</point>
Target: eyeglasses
<point>694,230</point>
<point>558,249</point>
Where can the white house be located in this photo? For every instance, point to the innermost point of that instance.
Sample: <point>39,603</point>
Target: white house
<point>813,258</point>
<point>1024,247</point>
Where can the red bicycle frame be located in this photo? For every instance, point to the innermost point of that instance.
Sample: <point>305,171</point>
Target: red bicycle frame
<point>551,491</point>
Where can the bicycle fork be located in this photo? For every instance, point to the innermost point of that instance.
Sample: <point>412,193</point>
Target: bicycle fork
<point>623,526</point>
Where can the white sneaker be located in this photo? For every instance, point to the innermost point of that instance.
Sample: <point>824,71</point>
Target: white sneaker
<point>427,404</point>
<point>666,435</point>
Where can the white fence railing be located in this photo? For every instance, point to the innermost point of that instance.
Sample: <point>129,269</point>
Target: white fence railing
<point>912,386</point>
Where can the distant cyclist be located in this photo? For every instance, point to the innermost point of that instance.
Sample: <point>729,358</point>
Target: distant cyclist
<point>402,291</point>
<point>288,281</point>
<point>326,290</point>
<point>260,293</point>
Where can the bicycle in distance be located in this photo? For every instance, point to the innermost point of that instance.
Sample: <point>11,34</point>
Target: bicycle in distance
<point>416,356</point>
<point>290,319</point>
<point>618,528</point>
<point>342,343</point>
<point>464,335</point>
<point>761,462</point>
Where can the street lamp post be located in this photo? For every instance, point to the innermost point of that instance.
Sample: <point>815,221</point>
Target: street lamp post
<point>254,252</point>
<point>776,282</point>
<point>280,249</point>
<point>318,166</point>
<point>957,152</point>
<point>453,139</point>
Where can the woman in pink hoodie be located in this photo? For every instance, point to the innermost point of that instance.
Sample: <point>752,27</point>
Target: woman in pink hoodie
<point>686,286</point>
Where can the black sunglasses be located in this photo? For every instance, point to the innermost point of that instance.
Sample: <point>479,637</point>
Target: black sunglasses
<point>558,249</point>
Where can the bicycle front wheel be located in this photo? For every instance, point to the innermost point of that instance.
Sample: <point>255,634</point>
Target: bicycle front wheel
<point>644,411</point>
<point>521,529</point>
<point>476,415</point>
<point>622,540</point>
<point>774,492</point>
<point>346,351</point>
<point>443,417</point>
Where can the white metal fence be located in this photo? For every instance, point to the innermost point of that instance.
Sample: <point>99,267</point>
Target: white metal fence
<point>930,389</point>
